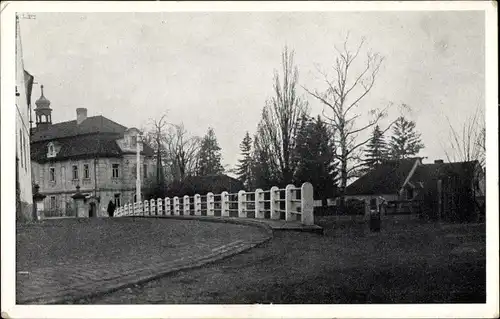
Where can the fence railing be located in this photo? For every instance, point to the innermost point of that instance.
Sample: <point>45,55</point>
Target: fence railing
<point>290,203</point>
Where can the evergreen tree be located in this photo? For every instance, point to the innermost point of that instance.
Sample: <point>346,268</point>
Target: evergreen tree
<point>376,149</point>
<point>244,168</point>
<point>405,141</point>
<point>315,155</point>
<point>209,156</point>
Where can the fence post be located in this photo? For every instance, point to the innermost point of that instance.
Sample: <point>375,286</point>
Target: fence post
<point>210,204</point>
<point>146,208</point>
<point>224,205</point>
<point>259,206</point>
<point>176,206</point>
<point>307,204</point>
<point>274,206</point>
<point>168,211</point>
<point>185,204</point>
<point>152,207</point>
<point>197,204</point>
<point>159,206</point>
<point>242,205</point>
<point>289,204</point>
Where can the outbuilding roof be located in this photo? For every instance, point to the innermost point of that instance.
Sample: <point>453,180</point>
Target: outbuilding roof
<point>387,178</point>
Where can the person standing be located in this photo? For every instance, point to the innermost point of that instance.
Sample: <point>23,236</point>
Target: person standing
<point>111,208</point>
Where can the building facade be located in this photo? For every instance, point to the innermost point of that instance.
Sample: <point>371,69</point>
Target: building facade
<point>94,153</point>
<point>24,198</point>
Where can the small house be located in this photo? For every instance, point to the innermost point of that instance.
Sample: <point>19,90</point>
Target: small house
<point>448,191</point>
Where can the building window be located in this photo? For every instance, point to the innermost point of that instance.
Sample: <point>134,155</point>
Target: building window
<point>134,141</point>
<point>117,200</point>
<point>145,170</point>
<point>116,168</point>
<point>52,150</point>
<point>86,172</point>
<point>52,174</point>
<point>75,172</point>
<point>52,202</point>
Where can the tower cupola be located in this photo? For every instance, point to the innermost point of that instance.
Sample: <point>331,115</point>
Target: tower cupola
<point>43,112</point>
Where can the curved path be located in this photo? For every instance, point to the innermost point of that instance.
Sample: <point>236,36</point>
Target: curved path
<point>66,259</point>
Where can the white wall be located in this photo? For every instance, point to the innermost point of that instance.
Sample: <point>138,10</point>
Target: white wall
<point>22,136</point>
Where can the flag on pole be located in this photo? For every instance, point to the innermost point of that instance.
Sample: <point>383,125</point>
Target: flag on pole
<point>28,81</point>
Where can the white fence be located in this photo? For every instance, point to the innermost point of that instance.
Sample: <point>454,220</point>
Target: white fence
<point>290,203</point>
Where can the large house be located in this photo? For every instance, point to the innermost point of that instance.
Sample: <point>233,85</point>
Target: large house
<point>93,153</point>
<point>452,191</point>
<point>24,81</point>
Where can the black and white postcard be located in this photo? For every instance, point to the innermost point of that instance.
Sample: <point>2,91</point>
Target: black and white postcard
<point>249,159</point>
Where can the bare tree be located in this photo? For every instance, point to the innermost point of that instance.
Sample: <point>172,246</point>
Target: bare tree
<point>182,152</point>
<point>341,101</point>
<point>154,137</point>
<point>280,121</point>
<point>469,142</point>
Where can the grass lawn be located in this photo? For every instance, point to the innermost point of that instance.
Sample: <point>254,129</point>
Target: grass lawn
<point>408,262</point>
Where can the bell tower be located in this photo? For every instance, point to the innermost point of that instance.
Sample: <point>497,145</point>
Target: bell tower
<point>43,112</point>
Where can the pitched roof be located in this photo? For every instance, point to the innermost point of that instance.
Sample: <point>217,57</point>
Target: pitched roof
<point>386,178</point>
<point>95,136</point>
<point>77,147</point>
<point>93,124</point>
<point>81,146</point>
<point>389,177</point>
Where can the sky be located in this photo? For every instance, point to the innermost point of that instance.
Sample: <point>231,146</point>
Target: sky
<point>216,69</point>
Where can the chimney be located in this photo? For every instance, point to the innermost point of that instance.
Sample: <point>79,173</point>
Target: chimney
<point>439,161</point>
<point>81,115</point>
